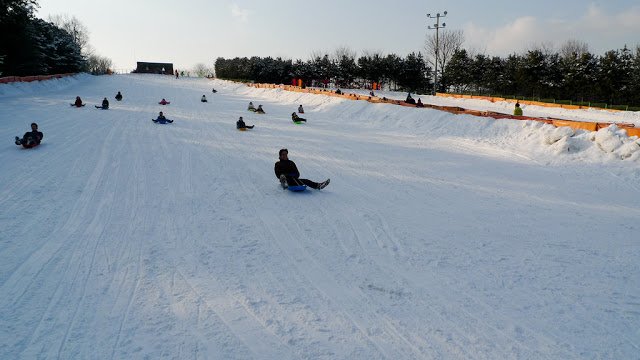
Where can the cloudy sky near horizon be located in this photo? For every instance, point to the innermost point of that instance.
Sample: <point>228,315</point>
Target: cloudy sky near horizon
<point>198,31</point>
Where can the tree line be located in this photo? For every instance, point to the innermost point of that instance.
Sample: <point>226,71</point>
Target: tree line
<point>32,46</point>
<point>343,69</point>
<point>573,73</point>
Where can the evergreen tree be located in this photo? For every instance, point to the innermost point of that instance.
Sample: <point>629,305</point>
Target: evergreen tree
<point>611,77</point>
<point>392,69</point>
<point>457,73</point>
<point>415,74</point>
<point>634,78</point>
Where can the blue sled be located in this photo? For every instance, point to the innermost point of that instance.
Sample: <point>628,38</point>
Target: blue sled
<point>297,188</point>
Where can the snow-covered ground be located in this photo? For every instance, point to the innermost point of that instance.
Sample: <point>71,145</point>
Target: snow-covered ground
<point>440,236</point>
<point>506,107</point>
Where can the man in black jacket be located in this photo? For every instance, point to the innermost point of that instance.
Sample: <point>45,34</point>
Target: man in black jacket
<point>287,171</point>
<point>30,138</point>
<point>105,104</point>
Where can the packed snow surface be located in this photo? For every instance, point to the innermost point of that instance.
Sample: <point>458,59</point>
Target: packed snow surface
<point>440,236</point>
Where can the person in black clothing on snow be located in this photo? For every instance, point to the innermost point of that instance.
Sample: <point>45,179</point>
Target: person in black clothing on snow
<point>203,99</point>
<point>118,96</point>
<point>161,119</point>
<point>30,138</point>
<point>288,174</point>
<point>297,118</point>
<point>105,104</point>
<point>409,99</point>
<point>241,125</point>
<point>78,102</point>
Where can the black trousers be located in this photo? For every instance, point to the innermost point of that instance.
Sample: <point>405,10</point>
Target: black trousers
<point>296,181</point>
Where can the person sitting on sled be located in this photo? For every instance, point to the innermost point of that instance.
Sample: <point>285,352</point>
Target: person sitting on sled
<point>297,118</point>
<point>409,99</point>
<point>517,111</point>
<point>300,110</point>
<point>105,104</point>
<point>213,90</point>
<point>241,125</point>
<point>251,107</point>
<point>30,138</point>
<point>161,119</point>
<point>288,174</point>
<point>119,96</point>
<point>259,110</point>
<point>163,102</point>
<point>419,103</point>
<point>203,99</point>
<point>78,102</point>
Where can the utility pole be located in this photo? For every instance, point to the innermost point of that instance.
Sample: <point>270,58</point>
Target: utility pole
<point>436,26</point>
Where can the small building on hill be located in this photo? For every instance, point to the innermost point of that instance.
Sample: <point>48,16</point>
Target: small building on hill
<point>154,68</point>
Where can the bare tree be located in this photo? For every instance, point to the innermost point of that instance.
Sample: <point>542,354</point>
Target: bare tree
<point>77,29</point>
<point>573,48</point>
<point>547,48</point>
<point>344,52</point>
<point>99,65</point>
<point>201,70</point>
<point>447,43</point>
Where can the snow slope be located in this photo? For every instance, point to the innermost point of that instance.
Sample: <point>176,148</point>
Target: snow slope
<point>506,107</point>
<point>440,236</point>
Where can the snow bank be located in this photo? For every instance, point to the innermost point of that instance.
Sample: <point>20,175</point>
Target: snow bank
<point>530,139</point>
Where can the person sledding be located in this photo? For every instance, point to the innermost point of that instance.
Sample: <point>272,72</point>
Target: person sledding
<point>78,102</point>
<point>119,96</point>
<point>517,111</point>
<point>409,99</point>
<point>203,99</point>
<point>300,110</point>
<point>419,103</point>
<point>161,119</point>
<point>240,125</point>
<point>31,138</point>
<point>259,110</point>
<point>297,119</point>
<point>213,90</point>
<point>105,104</point>
<point>288,174</point>
<point>164,102</point>
<point>251,107</point>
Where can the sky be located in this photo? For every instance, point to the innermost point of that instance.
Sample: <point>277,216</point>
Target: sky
<point>199,31</point>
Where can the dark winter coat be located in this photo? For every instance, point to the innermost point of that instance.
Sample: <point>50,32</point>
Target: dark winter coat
<point>118,96</point>
<point>35,135</point>
<point>297,118</point>
<point>287,168</point>
<point>105,104</point>
<point>78,102</point>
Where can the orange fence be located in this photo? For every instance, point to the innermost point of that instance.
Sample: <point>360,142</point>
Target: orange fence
<point>11,79</point>
<point>583,125</point>
<point>527,102</point>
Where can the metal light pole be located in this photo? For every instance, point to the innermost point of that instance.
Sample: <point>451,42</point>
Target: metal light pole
<point>436,26</point>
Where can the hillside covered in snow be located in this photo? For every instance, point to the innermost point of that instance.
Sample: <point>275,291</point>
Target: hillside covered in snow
<point>440,236</point>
